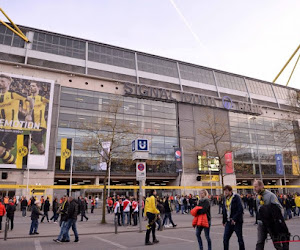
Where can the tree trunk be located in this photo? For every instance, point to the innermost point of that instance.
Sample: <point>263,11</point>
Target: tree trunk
<point>103,221</point>
<point>222,178</point>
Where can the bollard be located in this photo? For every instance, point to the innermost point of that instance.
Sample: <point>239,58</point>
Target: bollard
<point>116,223</point>
<point>6,228</point>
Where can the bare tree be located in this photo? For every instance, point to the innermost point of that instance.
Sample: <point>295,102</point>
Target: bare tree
<point>109,137</point>
<point>215,137</point>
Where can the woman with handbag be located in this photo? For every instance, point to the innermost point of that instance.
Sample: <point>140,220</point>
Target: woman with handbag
<point>202,218</point>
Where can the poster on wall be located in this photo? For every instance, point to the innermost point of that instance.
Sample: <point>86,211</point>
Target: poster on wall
<point>25,119</point>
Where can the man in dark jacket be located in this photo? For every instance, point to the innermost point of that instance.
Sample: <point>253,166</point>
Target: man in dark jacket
<point>46,210</point>
<point>35,213</point>
<point>232,217</point>
<point>11,208</point>
<point>24,205</point>
<point>72,218</point>
<point>83,208</point>
<point>63,235</point>
<point>54,209</point>
<point>168,210</point>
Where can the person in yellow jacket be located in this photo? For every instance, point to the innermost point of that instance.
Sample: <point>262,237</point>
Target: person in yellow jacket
<point>297,202</point>
<point>151,212</point>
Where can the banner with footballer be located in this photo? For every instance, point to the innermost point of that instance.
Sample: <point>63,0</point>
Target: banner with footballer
<point>25,119</point>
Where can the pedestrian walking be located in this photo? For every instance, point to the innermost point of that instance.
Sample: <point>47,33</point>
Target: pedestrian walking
<point>117,210</point>
<point>24,205</point>
<point>92,205</point>
<point>168,212</point>
<point>35,213</point>
<point>203,209</point>
<point>232,217</point>
<point>73,211</point>
<point>126,211</point>
<point>11,208</point>
<point>151,212</point>
<point>135,209</point>
<point>269,217</point>
<point>2,213</point>
<point>46,210</point>
<point>54,210</point>
<point>63,210</point>
<point>286,203</point>
<point>83,207</point>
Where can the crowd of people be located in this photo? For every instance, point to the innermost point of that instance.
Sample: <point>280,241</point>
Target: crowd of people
<point>271,210</point>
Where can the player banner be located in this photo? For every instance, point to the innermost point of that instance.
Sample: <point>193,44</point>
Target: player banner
<point>65,154</point>
<point>25,112</point>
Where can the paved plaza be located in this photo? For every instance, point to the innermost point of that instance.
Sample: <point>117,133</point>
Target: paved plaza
<point>93,235</point>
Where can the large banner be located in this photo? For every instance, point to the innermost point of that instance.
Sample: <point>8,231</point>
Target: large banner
<point>25,119</point>
<point>295,165</point>
<point>279,164</point>
<point>229,163</point>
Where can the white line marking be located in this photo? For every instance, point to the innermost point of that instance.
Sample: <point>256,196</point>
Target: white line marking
<point>111,242</point>
<point>174,238</point>
<point>37,245</point>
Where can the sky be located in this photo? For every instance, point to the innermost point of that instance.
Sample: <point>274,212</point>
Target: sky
<point>252,38</point>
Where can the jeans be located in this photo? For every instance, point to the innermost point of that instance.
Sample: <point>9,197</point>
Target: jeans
<point>11,219</point>
<point>229,229</point>
<point>83,215</point>
<point>287,213</point>
<point>150,227</point>
<point>34,226</point>
<point>1,223</point>
<point>72,223</point>
<point>54,217</point>
<point>23,211</point>
<point>64,231</point>
<point>251,211</point>
<point>220,209</point>
<point>298,210</point>
<point>168,215</point>
<point>135,218</point>
<point>126,214</point>
<point>262,233</point>
<point>182,208</point>
<point>45,215</point>
<point>177,208</point>
<point>198,234</point>
<point>92,209</point>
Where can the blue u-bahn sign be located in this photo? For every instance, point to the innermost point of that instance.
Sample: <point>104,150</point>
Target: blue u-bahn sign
<point>141,145</point>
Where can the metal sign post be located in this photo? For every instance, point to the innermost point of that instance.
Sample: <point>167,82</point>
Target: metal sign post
<point>140,151</point>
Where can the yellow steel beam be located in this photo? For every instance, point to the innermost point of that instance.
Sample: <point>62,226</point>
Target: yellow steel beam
<point>293,71</point>
<point>16,29</point>
<point>286,64</point>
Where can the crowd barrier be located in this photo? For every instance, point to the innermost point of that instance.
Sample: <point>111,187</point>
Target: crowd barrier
<point>74,187</point>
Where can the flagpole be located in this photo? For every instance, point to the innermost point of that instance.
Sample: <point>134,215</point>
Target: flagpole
<point>29,149</point>
<point>71,167</point>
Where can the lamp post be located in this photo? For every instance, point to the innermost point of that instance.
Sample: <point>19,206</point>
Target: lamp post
<point>258,154</point>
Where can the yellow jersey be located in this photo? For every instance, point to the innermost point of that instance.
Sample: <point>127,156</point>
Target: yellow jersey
<point>39,108</point>
<point>9,107</point>
<point>150,206</point>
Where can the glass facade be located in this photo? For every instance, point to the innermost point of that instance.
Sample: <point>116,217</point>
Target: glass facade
<point>196,74</point>
<point>231,82</point>
<point>154,120</point>
<point>259,88</point>
<point>58,45</point>
<point>7,37</point>
<point>111,56</point>
<point>260,138</point>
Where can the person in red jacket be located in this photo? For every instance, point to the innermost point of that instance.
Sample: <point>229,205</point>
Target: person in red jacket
<point>205,210</point>
<point>2,213</point>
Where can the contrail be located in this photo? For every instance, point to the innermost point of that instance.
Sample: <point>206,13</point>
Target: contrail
<point>186,23</point>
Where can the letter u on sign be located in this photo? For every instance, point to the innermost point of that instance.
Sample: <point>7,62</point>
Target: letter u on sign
<point>142,145</point>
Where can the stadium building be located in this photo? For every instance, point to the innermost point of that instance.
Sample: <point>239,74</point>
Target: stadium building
<point>57,84</point>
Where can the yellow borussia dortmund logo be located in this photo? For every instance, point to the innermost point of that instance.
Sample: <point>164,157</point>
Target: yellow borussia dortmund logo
<point>22,151</point>
<point>66,153</point>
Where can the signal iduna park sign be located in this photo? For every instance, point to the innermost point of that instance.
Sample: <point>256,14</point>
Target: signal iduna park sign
<point>163,94</point>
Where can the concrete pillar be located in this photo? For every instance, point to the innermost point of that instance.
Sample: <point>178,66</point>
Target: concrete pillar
<point>97,180</point>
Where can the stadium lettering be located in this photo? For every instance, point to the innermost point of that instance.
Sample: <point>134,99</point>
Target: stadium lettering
<point>19,124</point>
<point>180,96</point>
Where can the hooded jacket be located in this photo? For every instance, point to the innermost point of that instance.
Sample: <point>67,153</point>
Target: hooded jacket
<point>199,220</point>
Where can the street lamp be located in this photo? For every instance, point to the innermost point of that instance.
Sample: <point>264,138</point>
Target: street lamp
<point>259,163</point>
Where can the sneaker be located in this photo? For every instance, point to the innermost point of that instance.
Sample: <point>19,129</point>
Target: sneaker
<point>36,233</point>
<point>148,243</point>
<point>77,240</point>
<point>57,240</point>
<point>65,241</point>
<point>156,241</point>
<point>175,225</point>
